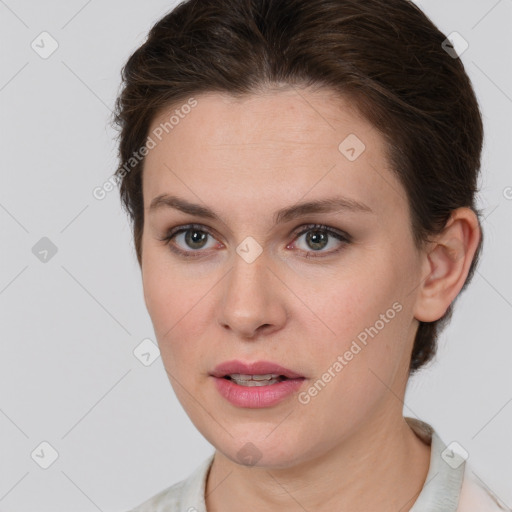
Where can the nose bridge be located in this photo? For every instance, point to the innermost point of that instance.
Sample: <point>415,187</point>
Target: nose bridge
<point>250,299</point>
<point>246,282</point>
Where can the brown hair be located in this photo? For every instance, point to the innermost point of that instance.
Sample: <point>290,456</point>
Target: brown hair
<point>385,54</point>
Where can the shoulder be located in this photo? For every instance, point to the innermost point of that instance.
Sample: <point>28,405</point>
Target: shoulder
<point>167,500</point>
<point>476,497</point>
<point>455,487</point>
<point>184,496</point>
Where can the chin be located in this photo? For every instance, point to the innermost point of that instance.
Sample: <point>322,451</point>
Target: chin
<point>261,451</point>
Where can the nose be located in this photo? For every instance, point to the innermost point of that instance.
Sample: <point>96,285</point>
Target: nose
<point>252,302</point>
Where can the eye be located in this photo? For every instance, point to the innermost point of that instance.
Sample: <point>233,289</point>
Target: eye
<point>187,240</point>
<point>318,237</point>
<point>191,240</point>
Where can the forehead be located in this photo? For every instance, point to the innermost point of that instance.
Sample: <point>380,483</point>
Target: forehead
<point>282,144</point>
<point>293,116</point>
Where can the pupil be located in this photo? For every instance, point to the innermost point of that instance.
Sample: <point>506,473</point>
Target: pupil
<point>195,237</point>
<point>316,239</point>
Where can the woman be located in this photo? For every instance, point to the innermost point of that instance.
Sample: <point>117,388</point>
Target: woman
<point>301,177</point>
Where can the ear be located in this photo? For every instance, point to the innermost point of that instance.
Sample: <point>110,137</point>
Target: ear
<point>446,264</point>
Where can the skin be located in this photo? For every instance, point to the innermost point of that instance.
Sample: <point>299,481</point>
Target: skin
<point>349,448</point>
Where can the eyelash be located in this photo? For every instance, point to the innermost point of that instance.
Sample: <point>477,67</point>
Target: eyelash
<point>339,235</point>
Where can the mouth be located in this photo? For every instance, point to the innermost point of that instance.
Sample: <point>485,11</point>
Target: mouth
<point>255,380</point>
<point>258,373</point>
<point>255,385</point>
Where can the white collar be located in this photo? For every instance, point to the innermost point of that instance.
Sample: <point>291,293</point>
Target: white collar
<point>441,490</point>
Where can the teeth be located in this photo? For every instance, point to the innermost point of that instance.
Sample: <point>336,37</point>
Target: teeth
<point>252,383</point>
<point>255,380</point>
<point>242,376</point>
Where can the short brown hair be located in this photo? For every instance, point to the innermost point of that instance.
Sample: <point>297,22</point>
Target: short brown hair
<point>385,54</point>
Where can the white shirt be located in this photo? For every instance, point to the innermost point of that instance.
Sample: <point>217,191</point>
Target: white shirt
<point>450,486</point>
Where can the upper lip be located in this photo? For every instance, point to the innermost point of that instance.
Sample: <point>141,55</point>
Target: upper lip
<point>253,368</point>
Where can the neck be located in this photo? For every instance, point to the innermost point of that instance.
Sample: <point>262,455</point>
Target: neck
<point>382,466</point>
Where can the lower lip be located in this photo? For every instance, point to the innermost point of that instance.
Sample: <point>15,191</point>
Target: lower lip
<point>256,397</point>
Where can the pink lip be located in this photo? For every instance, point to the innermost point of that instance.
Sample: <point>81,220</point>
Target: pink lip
<point>255,368</point>
<point>255,396</point>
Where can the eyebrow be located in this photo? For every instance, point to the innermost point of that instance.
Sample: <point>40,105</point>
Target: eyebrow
<point>327,205</point>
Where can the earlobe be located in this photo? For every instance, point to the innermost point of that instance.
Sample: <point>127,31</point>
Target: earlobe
<point>447,261</point>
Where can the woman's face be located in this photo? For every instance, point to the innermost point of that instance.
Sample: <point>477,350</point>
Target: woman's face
<point>335,306</point>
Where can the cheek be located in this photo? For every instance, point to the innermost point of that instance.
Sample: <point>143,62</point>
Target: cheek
<point>356,365</point>
<point>158,295</point>
<point>162,293</point>
<point>362,313</point>
<point>163,283</point>
<point>173,301</point>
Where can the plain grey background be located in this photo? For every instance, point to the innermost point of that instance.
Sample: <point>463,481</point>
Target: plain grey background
<point>72,319</point>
